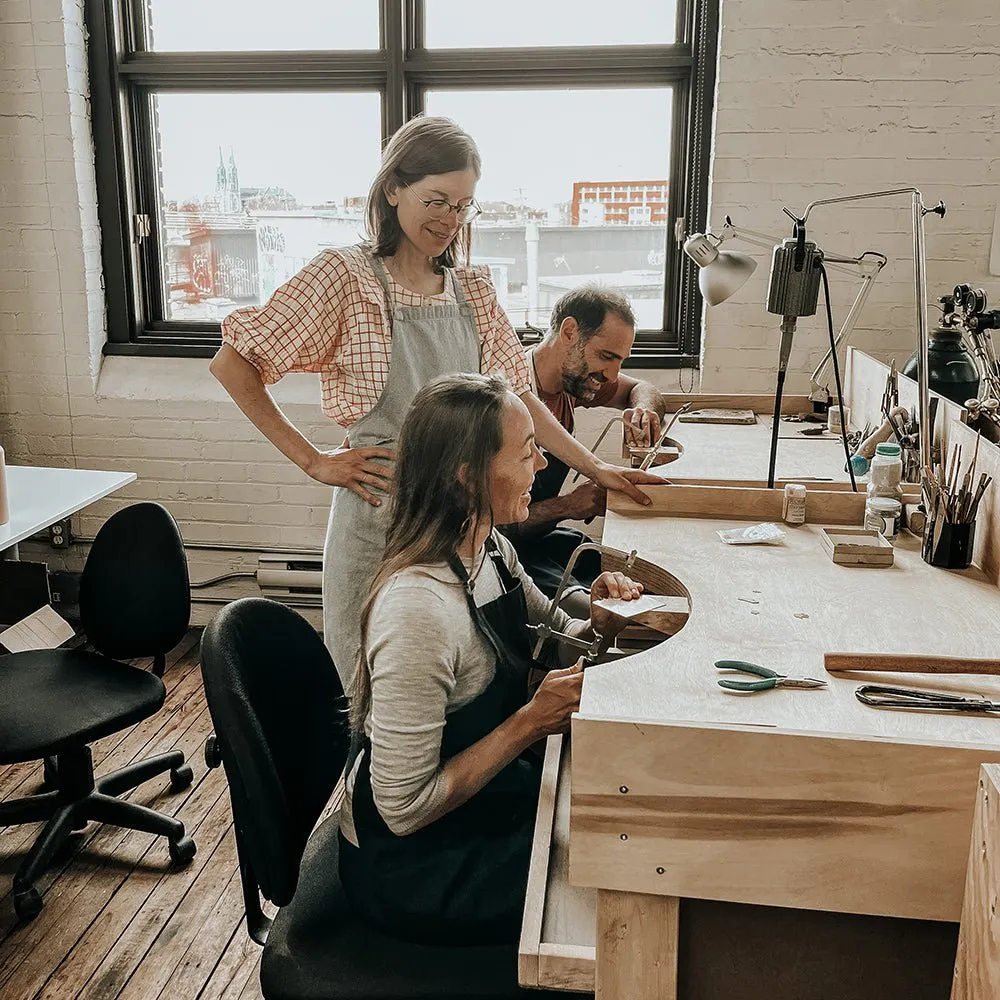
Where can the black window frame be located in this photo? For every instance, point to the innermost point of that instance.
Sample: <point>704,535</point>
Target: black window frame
<point>124,74</point>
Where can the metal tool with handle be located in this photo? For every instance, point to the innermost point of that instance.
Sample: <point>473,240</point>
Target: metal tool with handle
<point>545,630</point>
<point>769,678</point>
<point>648,460</point>
<point>880,696</point>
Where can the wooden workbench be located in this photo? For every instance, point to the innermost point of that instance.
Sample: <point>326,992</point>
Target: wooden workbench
<point>806,804</point>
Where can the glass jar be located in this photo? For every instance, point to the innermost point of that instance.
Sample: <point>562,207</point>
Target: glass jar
<point>886,472</point>
<point>883,514</point>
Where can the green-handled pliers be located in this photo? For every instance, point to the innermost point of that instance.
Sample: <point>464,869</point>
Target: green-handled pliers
<point>770,678</point>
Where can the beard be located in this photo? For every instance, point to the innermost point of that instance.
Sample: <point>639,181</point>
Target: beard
<point>575,378</point>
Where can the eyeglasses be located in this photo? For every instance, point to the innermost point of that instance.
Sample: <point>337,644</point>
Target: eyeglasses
<point>440,208</point>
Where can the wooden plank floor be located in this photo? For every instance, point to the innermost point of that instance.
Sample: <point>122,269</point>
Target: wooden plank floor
<point>119,921</point>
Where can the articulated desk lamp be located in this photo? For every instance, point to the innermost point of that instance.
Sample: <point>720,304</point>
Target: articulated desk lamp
<point>797,267</point>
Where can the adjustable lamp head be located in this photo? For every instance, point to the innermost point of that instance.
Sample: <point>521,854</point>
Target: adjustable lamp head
<point>721,273</point>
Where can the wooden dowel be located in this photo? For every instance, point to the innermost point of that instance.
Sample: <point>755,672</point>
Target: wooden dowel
<point>906,663</point>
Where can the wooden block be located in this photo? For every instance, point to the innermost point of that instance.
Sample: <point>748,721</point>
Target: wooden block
<point>903,663</point>
<point>739,504</point>
<point>746,814</point>
<point>718,416</point>
<point>911,491</point>
<point>538,868</point>
<point>758,403</point>
<point>857,546</point>
<point>637,945</point>
<point>557,933</point>
<point>977,966</point>
<point>666,623</point>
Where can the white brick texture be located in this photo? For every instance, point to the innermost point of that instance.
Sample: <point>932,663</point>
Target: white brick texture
<point>815,98</point>
<point>822,98</point>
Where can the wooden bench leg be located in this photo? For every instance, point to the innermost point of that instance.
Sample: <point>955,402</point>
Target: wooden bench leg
<point>977,967</point>
<point>636,946</point>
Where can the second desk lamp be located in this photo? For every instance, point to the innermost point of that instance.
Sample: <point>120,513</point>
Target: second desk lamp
<point>797,267</point>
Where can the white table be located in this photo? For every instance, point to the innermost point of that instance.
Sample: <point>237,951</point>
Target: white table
<point>39,497</point>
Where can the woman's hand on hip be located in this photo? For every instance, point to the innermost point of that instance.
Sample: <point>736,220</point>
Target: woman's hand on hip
<point>555,701</point>
<point>618,586</point>
<point>355,469</point>
<point>611,477</point>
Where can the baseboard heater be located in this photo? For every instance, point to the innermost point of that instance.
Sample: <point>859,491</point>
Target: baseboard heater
<point>297,578</point>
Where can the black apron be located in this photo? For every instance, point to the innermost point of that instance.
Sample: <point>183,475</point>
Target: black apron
<point>544,557</point>
<point>462,878</point>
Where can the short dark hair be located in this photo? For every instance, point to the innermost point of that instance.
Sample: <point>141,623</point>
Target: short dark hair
<point>589,305</point>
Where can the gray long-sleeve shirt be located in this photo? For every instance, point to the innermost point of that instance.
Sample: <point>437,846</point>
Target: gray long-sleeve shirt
<point>428,659</point>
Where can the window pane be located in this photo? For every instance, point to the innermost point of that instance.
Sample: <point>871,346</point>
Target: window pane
<point>574,189</point>
<point>261,25</point>
<point>528,23</point>
<point>253,186</point>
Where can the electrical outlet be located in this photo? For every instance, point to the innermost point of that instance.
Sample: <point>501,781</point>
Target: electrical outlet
<point>60,534</point>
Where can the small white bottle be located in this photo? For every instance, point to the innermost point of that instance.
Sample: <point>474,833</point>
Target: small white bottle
<point>793,504</point>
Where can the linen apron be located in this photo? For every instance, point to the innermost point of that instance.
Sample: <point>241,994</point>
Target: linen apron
<point>427,342</point>
<point>462,878</point>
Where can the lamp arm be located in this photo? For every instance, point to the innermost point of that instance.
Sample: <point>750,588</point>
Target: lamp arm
<point>857,197</point>
<point>850,321</point>
<point>918,211</point>
<point>833,262</point>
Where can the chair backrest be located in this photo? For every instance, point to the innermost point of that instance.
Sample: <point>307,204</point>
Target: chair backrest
<point>135,595</point>
<point>279,712</point>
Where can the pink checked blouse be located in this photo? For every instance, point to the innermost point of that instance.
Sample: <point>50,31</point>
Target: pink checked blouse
<point>330,318</point>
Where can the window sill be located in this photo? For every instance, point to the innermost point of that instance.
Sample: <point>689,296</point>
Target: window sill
<point>644,355</point>
<point>187,379</point>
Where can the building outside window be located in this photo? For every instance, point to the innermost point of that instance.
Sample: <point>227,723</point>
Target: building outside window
<point>237,140</point>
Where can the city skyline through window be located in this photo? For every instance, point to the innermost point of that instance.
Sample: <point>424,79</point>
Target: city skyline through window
<point>248,137</point>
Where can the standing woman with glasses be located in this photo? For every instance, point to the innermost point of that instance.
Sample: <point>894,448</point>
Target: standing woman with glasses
<point>378,321</point>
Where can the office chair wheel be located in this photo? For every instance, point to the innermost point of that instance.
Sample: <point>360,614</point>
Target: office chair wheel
<point>182,851</point>
<point>213,751</point>
<point>181,777</point>
<point>27,904</point>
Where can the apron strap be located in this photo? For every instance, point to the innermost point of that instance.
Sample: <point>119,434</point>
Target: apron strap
<point>379,268</point>
<point>507,581</point>
<point>456,288</point>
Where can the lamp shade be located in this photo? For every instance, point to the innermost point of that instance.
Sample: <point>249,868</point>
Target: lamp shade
<point>722,273</point>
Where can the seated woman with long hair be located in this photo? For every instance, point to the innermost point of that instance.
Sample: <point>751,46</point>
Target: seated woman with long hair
<point>437,823</point>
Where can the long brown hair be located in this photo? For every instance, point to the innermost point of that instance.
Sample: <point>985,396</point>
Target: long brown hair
<point>422,147</point>
<point>451,434</point>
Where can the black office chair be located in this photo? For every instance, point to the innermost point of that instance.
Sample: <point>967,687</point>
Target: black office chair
<point>135,601</point>
<point>278,708</point>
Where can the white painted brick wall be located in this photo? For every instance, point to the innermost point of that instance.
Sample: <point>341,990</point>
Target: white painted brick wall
<point>816,98</point>
<point>821,98</point>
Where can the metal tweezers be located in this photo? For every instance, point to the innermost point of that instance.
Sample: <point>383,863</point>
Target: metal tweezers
<point>895,697</point>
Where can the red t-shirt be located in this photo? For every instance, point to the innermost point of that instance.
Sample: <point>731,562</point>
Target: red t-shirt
<point>562,403</point>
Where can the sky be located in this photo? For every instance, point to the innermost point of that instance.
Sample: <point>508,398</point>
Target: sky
<point>192,25</point>
<point>324,147</point>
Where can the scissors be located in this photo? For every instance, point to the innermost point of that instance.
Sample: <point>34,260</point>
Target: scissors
<point>895,697</point>
<point>771,678</point>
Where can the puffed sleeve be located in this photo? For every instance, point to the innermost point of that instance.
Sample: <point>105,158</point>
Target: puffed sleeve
<point>299,327</point>
<point>502,350</point>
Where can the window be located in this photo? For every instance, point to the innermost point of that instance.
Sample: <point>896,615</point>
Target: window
<point>236,139</point>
